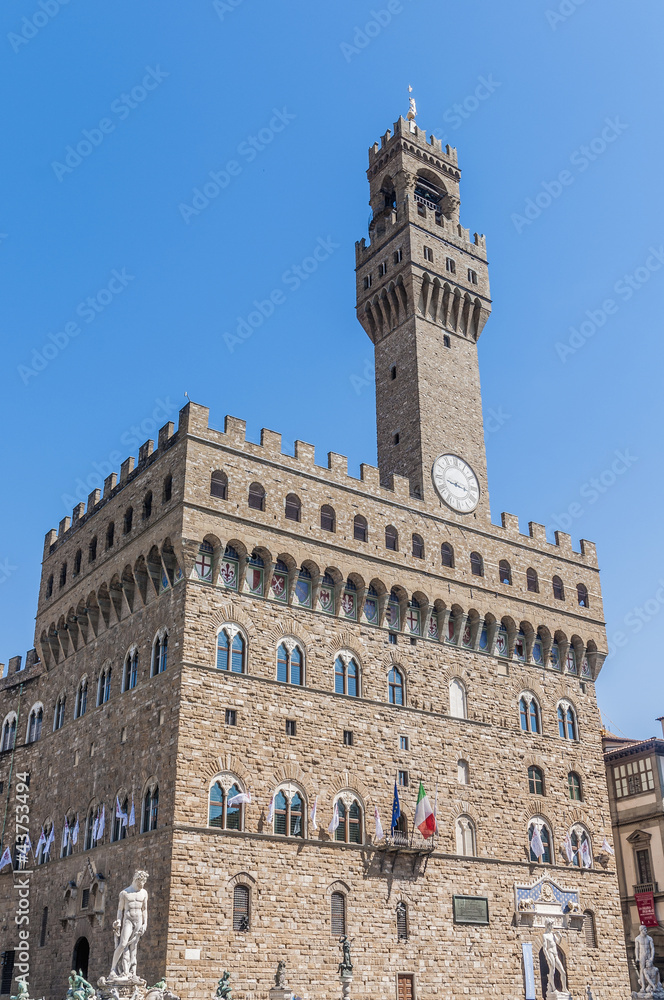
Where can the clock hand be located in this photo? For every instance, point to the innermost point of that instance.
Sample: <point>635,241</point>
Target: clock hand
<point>459,486</point>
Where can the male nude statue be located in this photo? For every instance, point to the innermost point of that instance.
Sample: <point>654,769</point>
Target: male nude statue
<point>130,925</point>
<point>644,949</point>
<point>550,940</point>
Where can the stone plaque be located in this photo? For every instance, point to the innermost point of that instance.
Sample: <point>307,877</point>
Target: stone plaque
<point>470,909</point>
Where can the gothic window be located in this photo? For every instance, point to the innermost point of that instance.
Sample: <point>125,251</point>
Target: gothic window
<point>360,528</point>
<point>147,505</point>
<point>231,649</point>
<point>428,254</point>
<point>402,922</point>
<point>532,581</point>
<point>290,663</point>
<point>327,518</point>
<point>346,675</point>
<point>545,837</point>
<point>529,714</point>
<point>558,589</point>
<point>241,897</point>
<point>92,549</point>
<point>582,595</point>
<point>224,811</point>
<point>67,846</point>
<point>78,558</point>
<point>91,825</point>
<point>418,546</point>
<point>337,914</point>
<point>391,538</point>
<point>349,830</point>
<point>63,574</point>
<point>472,276</point>
<point>49,586</point>
<point>256,497</point>
<point>130,670</point>
<point>59,716</point>
<point>35,724</point>
<point>581,847</point>
<point>128,520</point>
<point>395,686</point>
<point>150,809</point>
<point>204,561</point>
<point>450,265</point>
<point>465,837</point>
<point>463,772</point>
<point>159,654</point>
<point>104,686</point>
<point>293,507</point>
<point>219,485</point>
<point>167,492</point>
<point>81,698</point>
<point>9,732</point>
<point>535,780</point>
<point>447,555</point>
<point>476,564</point>
<point>119,831</point>
<point>289,813</point>
<point>567,722</point>
<point>458,707</point>
<point>505,572</point>
<point>43,855</point>
<point>574,786</point>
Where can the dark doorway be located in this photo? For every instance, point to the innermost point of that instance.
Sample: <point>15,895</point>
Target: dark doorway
<point>544,970</point>
<point>81,956</point>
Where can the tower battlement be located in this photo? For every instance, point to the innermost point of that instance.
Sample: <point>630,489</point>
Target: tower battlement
<point>410,132</point>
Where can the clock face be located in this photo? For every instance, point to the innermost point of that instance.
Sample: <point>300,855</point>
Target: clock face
<point>455,483</point>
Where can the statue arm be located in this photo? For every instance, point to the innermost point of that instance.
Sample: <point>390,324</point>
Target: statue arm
<point>145,913</point>
<point>121,908</point>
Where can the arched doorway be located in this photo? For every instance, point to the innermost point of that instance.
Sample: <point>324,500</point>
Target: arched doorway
<point>544,970</point>
<point>81,956</point>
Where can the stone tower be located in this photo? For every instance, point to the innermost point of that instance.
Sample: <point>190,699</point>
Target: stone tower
<point>423,299</point>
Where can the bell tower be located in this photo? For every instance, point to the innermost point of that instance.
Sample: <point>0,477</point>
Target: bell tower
<point>423,299</point>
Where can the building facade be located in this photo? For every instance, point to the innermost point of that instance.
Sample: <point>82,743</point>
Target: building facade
<point>227,620</point>
<point>635,780</point>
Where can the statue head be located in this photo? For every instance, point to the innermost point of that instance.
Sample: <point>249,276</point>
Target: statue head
<point>643,929</point>
<point>548,926</point>
<point>140,877</point>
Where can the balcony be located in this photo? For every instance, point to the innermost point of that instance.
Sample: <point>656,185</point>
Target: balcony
<point>646,887</point>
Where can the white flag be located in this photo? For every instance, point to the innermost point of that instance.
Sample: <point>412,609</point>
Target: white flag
<point>49,842</point>
<point>270,810</point>
<point>239,799</point>
<point>6,858</point>
<point>65,835</point>
<point>536,845</point>
<point>379,828</point>
<point>102,823</point>
<point>314,822</point>
<point>74,836</point>
<point>118,810</point>
<point>569,850</point>
<point>41,842</point>
<point>95,827</point>
<point>606,846</point>
<point>335,819</point>
<point>585,854</point>
<point>132,815</point>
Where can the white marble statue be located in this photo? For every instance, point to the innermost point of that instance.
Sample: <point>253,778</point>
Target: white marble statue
<point>550,941</point>
<point>129,926</point>
<point>644,949</point>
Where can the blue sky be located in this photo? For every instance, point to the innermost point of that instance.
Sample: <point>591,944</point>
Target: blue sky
<point>135,289</point>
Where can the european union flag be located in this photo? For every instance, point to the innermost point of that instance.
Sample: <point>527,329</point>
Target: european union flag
<point>396,810</point>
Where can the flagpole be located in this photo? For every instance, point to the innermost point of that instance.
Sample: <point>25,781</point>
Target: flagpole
<point>435,810</point>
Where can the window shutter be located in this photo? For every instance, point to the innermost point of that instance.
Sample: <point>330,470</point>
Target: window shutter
<point>338,924</point>
<point>402,923</point>
<point>589,929</point>
<point>241,908</point>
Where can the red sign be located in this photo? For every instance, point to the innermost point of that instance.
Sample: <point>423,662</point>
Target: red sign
<point>645,904</point>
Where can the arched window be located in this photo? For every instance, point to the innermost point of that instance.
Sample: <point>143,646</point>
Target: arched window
<point>395,686</point>
<point>505,572</point>
<point>458,707</point>
<point>546,841</point>
<point>110,535</point>
<point>476,564</point>
<point>81,698</point>
<point>49,586</point>
<point>59,715</point>
<point>167,491</point>
<point>128,520</point>
<point>67,846</point>
<point>391,538</point>
<point>159,654</point>
<point>328,521</point>
<point>337,914</point>
<point>92,549</point>
<point>150,809</point>
<point>349,830</point>
<point>219,485</point>
<point>91,828</point>
<point>289,813</point>
<point>43,854</point>
<point>574,786</point>
<point>463,772</point>
<point>9,732</point>
<point>360,528</point>
<point>589,928</point>
<point>256,497</point>
<point>63,574</point>
<point>293,507</point>
<point>532,581</point>
<point>204,561</point>
<point>241,899</point>
<point>147,506</point>
<point>224,811</point>
<point>582,851</point>
<point>78,558</point>
<point>558,589</point>
<point>346,675</point>
<point>529,714</point>
<point>418,546</point>
<point>35,724</point>
<point>447,555</point>
<point>402,922</point>
<point>465,837</point>
<point>130,670</point>
<point>120,818</point>
<point>290,663</point>
<point>567,722</point>
<point>582,595</point>
<point>104,686</point>
<point>231,649</point>
<point>535,780</point>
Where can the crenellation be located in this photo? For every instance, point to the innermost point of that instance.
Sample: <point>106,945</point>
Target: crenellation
<point>305,453</point>
<point>93,500</point>
<point>235,431</point>
<point>109,484</point>
<point>165,435</point>
<point>271,442</point>
<point>337,464</point>
<point>537,532</point>
<point>564,542</point>
<point>370,476</point>
<point>145,451</point>
<point>126,468</point>
<point>63,526</point>
<point>510,522</point>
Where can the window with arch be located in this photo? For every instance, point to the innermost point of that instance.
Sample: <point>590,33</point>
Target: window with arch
<point>350,829</point>
<point>104,686</point>
<point>92,549</point>
<point>9,732</point>
<point>67,846</point>
<point>290,663</point>
<point>505,572</point>
<point>402,921</point>
<point>241,902</point>
<point>110,535</point>
<point>337,914</point>
<point>476,564</point>
<point>231,649</point>
<point>532,581</point>
<point>63,574</point>
<point>147,506</point>
<point>530,717</point>
<point>224,811</point>
<point>81,698</point>
<point>391,538</point>
<point>558,589</point>
<point>59,714</point>
<point>159,654</point>
<point>119,831</point>
<point>582,595</point>
<point>91,828</point>
<point>466,844</point>
<point>130,670</point>
<point>328,518</point>
<point>581,847</point>
<point>293,508</point>
<point>535,780</point>
<point>395,686</point>
<point>78,559</point>
<point>463,772</point>
<point>289,812</point>
<point>219,485</point>
<point>360,528</point>
<point>567,726</point>
<point>447,555</point>
<point>167,490</point>
<point>43,854</point>
<point>49,586</point>
<point>35,721</point>
<point>458,699</point>
<point>546,857</point>
<point>256,498</point>
<point>589,929</point>
<point>574,786</point>
<point>127,520</point>
<point>418,546</point>
<point>346,675</point>
<point>150,810</point>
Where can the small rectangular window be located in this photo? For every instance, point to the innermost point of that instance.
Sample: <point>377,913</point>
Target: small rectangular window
<point>439,219</point>
<point>428,254</point>
<point>85,899</point>
<point>7,971</point>
<point>395,438</point>
<point>398,256</point>
<point>450,265</point>
<point>393,372</point>
<point>403,779</point>
<point>392,638</point>
<point>421,210</point>
<point>231,717</point>
<point>348,738</point>
<point>382,268</point>
<point>404,743</point>
<point>367,281</point>
<point>446,340</point>
<point>472,276</point>
<point>290,727</point>
<point>2,787</point>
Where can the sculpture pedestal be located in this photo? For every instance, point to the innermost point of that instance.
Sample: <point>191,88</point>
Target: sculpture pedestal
<point>123,987</point>
<point>346,980</point>
<point>281,993</point>
<point>654,994</point>
<point>558,995</point>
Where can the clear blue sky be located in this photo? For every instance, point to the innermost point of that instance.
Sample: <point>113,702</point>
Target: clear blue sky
<point>317,91</point>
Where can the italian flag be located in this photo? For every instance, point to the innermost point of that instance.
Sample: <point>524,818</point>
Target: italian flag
<point>425,821</point>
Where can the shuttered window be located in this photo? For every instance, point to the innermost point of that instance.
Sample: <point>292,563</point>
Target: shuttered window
<point>589,929</point>
<point>240,908</point>
<point>338,913</point>
<point>402,922</point>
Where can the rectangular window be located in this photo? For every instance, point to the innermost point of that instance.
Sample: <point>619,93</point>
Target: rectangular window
<point>85,899</point>
<point>439,219</point>
<point>290,727</point>
<point>643,866</point>
<point>7,971</point>
<point>348,738</point>
<point>231,717</point>
<point>450,265</point>
<point>367,281</point>
<point>403,779</point>
<point>44,923</point>
<point>398,256</point>
<point>428,254</point>
<point>404,743</point>
<point>633,778</point>
<point>472,276</point>
<point>382,268</point>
